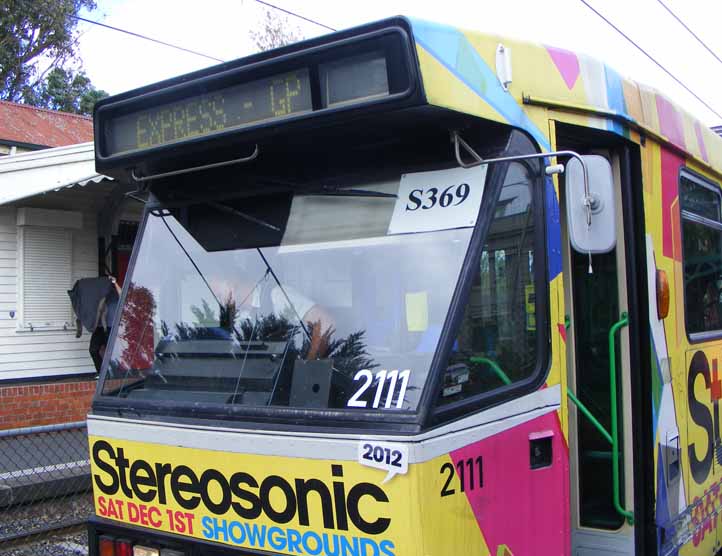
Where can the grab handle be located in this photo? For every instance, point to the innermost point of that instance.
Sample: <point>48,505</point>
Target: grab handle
<point>616,327</point>
<point>241,160</point>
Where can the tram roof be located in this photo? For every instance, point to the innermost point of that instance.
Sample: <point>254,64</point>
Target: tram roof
<point>458,68</point>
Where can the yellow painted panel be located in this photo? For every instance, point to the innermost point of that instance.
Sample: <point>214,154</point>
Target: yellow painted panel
<point>445,90</point>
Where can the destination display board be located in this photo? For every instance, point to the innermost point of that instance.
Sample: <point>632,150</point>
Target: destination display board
<point>324,79</point>
<point>260,100</point>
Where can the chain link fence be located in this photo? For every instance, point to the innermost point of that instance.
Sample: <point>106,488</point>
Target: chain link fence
<point>45,490</point>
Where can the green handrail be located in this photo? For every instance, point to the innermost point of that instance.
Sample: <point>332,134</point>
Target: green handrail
<point>621,323</point>
<point>494,366</point>
<point>612,438</point>
<point>506,380</point>
<point>588,415</point>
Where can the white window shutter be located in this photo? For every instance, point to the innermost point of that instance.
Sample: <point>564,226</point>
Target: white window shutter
<point>46,256</point>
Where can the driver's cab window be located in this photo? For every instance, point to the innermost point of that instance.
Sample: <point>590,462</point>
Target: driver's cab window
<point>496,344</point>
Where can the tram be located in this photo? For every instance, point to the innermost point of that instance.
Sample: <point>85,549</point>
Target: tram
<point>409,290</point>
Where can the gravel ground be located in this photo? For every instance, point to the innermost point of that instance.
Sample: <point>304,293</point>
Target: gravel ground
<point>24,519</point>
<point>69,544</point>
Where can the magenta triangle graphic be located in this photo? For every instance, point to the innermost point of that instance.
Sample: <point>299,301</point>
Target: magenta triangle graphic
<point>567,63</point>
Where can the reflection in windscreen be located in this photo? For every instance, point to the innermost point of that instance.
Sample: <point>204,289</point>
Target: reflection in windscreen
<point>301,301</point>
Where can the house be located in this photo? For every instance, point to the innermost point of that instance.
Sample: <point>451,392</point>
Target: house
<point>59,221</point>
<point>25,128</point>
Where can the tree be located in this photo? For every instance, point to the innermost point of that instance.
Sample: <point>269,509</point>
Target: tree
<point>135,333</point>
<point>67,91</point>
<point>38,34</point>
<point>88,100</point>
<point>275,31</point>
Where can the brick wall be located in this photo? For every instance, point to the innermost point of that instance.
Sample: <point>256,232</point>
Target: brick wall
<point>29,405</point>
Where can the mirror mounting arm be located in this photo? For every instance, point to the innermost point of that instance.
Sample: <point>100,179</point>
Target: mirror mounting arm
<point>589,202</point>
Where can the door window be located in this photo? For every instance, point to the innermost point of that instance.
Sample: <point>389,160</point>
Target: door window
<point>596,309</point>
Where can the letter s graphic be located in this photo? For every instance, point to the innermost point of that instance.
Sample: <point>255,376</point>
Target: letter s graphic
<point>415,198</point>
<point>702,416</point>
<point>99,447</point>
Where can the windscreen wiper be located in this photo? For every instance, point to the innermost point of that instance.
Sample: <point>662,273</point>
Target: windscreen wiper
<point>269,270</point>
<point>230,210</point>
<point>326,190</point>
<point>202,276</point>
<point>330,191</point>
<point>283,290</point>
<point>236,212</point>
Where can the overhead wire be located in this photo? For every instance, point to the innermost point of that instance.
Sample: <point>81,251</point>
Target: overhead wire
<point>324,26</point>
<point>654,60</point>
<point>195,52</point>
<point>147,38</point>
<point>683,24</point>
<point>294,14</point>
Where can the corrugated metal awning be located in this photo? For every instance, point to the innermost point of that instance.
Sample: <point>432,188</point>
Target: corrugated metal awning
<point>34,173</point>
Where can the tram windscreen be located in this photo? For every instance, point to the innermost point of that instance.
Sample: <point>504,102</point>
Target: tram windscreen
<point>333,300</point>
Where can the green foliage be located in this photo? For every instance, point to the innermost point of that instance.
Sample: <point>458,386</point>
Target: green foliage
<point>89,98</point>
<point>349,354</point>
<point>205,316</point>
<point>66,91</point>
<point>38,34</point>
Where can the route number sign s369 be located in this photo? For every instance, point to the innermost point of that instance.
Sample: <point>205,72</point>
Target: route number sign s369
<point>438,200</point>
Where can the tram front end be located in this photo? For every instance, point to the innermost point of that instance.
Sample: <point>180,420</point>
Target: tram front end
<point>334,334</point>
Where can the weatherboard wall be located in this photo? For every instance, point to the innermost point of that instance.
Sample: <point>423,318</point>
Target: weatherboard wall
<point>42,353</point>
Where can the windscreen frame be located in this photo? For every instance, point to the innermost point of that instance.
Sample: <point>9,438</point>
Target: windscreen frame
<point>344,420</point>
<point>434,415</point>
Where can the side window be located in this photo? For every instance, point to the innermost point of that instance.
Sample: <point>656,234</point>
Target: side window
<point>496,344</point>
<point>702,254</point>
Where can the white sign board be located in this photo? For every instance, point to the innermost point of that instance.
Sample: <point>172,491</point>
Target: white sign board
<point>439,200</point>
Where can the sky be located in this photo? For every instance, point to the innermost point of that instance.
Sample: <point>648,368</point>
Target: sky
<point>117,62</point>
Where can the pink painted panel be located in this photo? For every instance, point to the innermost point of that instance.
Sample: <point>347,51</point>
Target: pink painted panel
<point>700,141</point>
<point>670,122</point>
<point>670,210</point>
<point>525,510</point>
<point>567,63</point>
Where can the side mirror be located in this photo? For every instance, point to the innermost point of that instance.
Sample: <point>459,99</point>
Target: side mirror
<point>591,219</point>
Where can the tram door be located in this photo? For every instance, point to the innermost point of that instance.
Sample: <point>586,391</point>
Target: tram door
<point>595,306</point>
